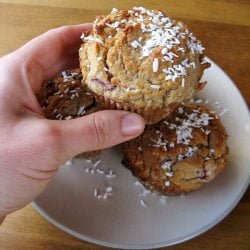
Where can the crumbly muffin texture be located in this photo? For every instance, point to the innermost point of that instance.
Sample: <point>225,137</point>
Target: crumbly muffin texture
<point>65,97</point>
<point>142,58</point>
<point>180,153</point>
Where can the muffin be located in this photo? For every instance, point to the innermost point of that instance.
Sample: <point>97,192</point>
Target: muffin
<point>180,153</point>
<point>65,97</point>
<point>143,61</point>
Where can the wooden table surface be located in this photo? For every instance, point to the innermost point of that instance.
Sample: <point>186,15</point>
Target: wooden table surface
<point>224,28</point>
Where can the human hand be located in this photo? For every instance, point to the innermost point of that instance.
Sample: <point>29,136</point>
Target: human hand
<point>33,147</point>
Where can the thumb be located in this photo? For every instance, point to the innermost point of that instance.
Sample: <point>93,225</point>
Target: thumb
<point>99,130</point>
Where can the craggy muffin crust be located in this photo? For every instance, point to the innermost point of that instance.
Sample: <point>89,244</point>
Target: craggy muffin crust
<point>180,153</point>
<point>65,97</point>
<point>141,59</point>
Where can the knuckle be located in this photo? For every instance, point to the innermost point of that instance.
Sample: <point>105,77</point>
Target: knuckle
<point>50,140</point>
<point>50,131</point>
<point>50,31</point>
<point>61,29</point>
<point>101,130</point>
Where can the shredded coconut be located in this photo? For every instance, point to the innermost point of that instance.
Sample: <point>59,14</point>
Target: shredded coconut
<point>143,203</point>
<point>167,165</point>
<point>155,65</point>
<point>223,112</point>
<point>162,32</point>
<point>81,111</point>
<point>69,163</point>
<point>153,86</point>
<point>167,183</point>
<point>94,39</point>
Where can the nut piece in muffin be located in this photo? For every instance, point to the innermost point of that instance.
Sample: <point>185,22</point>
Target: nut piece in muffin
<point>65,97</point>
<point>143,61</point>
<point>179,154</point>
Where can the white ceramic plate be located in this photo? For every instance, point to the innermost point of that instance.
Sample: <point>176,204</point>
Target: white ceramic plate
<point>132,218</point>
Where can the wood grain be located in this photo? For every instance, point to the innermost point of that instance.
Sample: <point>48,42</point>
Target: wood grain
<point>223,27</point>
<point>227,44</point>
<point>231,12</point>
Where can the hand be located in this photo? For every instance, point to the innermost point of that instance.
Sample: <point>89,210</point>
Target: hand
<point>33,147</point>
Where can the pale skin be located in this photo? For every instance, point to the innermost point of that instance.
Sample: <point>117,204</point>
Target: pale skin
<point>32,148</point>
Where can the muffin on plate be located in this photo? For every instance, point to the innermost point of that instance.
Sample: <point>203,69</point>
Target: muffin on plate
<point>180,153</point>
<point>143,61</point>
<point>65,97</point>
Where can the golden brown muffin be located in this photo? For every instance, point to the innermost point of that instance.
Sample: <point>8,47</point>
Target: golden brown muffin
<point>180,153</point>
<point>143,61</point>
<point>65,97</point>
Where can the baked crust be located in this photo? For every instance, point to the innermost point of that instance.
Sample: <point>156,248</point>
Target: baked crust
<point>65,97</point>
<point>180,153</point>
<point>142,58</point>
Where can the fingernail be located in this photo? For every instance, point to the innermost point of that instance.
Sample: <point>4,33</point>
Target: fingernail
<point>132,124</point>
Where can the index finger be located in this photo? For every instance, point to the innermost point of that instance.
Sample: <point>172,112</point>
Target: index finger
<point>49,47</point>
<point>45,51</point>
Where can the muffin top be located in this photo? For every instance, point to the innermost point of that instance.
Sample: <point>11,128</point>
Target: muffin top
<point>180,153</point>
<point>65,97</point>
<point>142,57</point>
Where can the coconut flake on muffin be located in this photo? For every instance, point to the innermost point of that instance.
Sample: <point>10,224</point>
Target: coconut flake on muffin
<point>181,153</point>
<point>142,60</point>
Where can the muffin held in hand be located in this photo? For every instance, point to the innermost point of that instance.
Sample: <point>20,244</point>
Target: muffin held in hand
<point>143,61</point>
<point>65,97</point>
<point>180,153</point>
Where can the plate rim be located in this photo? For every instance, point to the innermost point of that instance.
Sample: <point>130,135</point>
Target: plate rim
<point>142,246</point>
<point>162,243</point>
